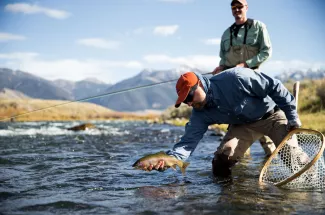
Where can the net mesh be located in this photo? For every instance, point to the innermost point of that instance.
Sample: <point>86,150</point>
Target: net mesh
<point>298,162</point>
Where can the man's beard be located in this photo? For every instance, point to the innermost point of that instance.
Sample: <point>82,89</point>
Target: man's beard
<point>199,105</point>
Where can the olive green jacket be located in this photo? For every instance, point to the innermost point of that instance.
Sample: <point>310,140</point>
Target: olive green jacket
<point>257,36</point>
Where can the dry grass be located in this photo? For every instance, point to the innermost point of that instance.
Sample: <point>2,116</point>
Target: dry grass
<point>72,111</point>
<point>315,121</point>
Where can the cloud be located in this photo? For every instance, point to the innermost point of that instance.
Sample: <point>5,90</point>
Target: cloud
<point>275,67</point>
<point>209,62</point>
<point>34,9</point>
<point>99,43</point>
<point>112,71</point>
<point>212,41</point>
<point>166,30</point>
<point>8,36</point>
<point>18,55</point>
<point>198,61</point>
<point>71,69</point>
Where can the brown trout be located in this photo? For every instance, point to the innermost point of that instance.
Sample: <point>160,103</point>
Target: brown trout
<point>170,161</point>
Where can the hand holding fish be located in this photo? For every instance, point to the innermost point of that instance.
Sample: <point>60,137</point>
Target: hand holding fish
<point>159,161</point>
<point>160,166</point>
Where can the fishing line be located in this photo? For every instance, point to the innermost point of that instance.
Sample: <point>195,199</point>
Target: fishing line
<point>93,97</point>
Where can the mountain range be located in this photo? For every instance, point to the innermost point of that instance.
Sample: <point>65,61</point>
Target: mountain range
<point>156,96</point>
<point>301,75</point>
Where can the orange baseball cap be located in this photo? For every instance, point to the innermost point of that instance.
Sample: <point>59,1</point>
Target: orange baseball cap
<point>184,85</point>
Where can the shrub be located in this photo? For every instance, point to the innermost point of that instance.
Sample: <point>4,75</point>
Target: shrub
<point>172,113</point>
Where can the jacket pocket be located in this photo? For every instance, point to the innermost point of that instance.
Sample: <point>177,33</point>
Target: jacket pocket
<point>252,37</point>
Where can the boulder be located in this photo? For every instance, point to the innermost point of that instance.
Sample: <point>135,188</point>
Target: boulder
<point>82,127</point>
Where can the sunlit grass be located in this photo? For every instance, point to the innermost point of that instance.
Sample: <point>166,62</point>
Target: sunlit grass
<point>314,121</point>
<point>73,111</point>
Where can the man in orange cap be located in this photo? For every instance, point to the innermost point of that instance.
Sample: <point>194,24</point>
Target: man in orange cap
<point>246,43</point>
<point>254,105</point>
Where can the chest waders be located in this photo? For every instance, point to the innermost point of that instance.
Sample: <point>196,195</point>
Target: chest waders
<point>240,53</point>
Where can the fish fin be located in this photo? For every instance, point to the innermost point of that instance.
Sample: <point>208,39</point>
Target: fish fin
<point>161,153</point>
<point>173,167</point>
<point>185,164</point>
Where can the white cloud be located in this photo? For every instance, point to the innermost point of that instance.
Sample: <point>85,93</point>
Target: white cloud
<point>18,55</point>
<point>209,62</point>
<point>199,61</point>
<point>275,67</point>
<point>99,43</point>
<point>113,71</point>
<point>34,9</point>
<point>212,41</point>
<point>165,30</point>
<point>8,36</point>
<point>71,69</point>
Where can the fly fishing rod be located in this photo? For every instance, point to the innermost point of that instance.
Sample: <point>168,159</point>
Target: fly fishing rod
<point>93,97</point>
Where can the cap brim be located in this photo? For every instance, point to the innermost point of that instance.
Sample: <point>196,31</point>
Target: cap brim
<point>181,98</point>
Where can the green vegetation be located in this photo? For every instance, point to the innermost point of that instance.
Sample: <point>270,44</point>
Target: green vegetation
<point>311,96</point>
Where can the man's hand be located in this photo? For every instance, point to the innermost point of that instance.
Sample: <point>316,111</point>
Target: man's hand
<point>242,65</point>
<point>217,70</point>
<point>160,166</point>
<point>293,124</point>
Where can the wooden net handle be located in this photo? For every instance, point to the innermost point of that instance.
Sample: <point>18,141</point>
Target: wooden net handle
<point>296,92</point>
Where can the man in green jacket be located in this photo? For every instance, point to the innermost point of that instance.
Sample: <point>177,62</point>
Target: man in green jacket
<point>245,44</point>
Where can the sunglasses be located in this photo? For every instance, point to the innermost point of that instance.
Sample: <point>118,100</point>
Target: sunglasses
<point>190,95</point>
<point>239,7</point>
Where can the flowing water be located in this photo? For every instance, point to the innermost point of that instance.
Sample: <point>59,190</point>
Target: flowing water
<point>46,169</point>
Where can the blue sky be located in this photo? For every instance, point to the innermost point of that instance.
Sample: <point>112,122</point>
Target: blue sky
<point>116,39</point>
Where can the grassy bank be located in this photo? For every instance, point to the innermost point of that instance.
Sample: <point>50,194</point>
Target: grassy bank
<point>315,121</point>
<point>72,111</point>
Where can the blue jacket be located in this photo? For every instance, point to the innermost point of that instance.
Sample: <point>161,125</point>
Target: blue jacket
<point>235,96</point>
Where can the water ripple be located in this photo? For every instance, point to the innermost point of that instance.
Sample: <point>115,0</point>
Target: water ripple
<point>47,169</point>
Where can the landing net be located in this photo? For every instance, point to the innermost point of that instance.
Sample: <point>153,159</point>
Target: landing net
<point>298,162</point>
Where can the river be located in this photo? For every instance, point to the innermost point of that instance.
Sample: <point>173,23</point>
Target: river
<point>46,169</point>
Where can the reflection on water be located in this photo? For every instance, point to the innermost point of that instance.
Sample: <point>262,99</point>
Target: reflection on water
<point>47,169</point>
<point>168,192</point>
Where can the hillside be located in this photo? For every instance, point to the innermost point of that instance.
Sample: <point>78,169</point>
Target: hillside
<point>311,97</point>
<point>155,98</point>
<point>6,93</point>
<point>301,75</point>
<point>72,111</point>
<point>31,85</point>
